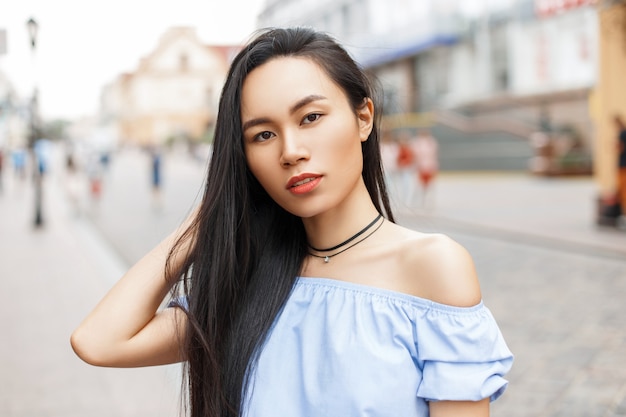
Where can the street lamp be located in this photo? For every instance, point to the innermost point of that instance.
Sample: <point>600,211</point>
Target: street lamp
<point>33,28</point>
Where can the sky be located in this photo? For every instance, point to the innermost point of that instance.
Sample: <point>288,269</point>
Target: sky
<point>85,44</point>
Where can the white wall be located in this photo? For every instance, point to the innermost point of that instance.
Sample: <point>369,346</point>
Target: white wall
<point>463,76</point>
<point>554,54</point>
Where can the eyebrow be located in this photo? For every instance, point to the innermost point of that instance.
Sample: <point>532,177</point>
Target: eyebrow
<point>298,105</point>
<point>304,101</point>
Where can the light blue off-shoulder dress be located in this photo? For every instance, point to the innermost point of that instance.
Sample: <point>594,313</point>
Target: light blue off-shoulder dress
<point>343,349</point>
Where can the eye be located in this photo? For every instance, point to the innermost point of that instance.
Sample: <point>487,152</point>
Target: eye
<point>310,118</point>
<point>263,136</point>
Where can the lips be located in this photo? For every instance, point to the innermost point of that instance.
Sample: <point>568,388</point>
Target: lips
<point>303,183</point>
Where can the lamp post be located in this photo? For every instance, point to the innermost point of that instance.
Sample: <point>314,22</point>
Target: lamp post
<point>33,28</point>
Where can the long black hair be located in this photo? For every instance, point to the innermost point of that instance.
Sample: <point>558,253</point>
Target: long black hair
<point>247,251</point>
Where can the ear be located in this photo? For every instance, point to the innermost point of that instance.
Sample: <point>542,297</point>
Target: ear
<point>365,116</point>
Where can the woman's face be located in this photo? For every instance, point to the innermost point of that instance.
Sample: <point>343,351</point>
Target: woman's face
<point>302,138</point>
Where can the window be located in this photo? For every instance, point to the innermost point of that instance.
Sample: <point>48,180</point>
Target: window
<point>183,62</point>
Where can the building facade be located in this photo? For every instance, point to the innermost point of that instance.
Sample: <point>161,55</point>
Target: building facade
<point>172,95</point>
<point>385,37</point>
<point>14,115</point>
<point>472,67</point>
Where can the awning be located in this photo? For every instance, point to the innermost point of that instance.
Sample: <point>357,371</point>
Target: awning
<point>382,55</point>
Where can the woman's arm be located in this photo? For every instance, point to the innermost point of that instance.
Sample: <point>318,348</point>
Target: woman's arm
<point>125,329</point>
<point>459,408</point>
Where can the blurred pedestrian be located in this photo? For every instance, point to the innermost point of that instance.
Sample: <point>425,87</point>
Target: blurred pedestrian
<point>155,173</point>
<point>426,150</point>
<point>72,181</point>
<point>43,150</point>
<point>396,327</point>
<point>18,157</point>
<point>621,164</point>
<point>406,168</point>
<point>94,174</point>
<point>1,169</point>
<point>105,160</point>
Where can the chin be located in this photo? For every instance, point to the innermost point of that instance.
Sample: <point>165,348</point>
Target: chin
<point>304,214</point>
<point>310,206</point>
<point>304,210</point>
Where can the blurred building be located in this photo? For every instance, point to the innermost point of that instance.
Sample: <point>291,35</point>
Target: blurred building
<point>13,117</point>
<point>485,74</point>
<point>172,95</point>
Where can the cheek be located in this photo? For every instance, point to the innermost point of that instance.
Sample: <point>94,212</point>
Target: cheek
<point>252,160</point>
<point>260,166</point>
<point>352,162</point>
<point>344,148</point>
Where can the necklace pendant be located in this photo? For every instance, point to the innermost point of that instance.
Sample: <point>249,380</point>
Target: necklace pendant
<point>326,259</point>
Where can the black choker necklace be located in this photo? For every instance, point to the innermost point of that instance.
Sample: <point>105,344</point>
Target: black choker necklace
<point>350,239</point>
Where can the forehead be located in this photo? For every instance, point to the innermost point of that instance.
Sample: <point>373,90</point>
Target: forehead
<point>282,81</point>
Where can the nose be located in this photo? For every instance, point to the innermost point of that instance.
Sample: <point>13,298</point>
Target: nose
<point>293,151</point>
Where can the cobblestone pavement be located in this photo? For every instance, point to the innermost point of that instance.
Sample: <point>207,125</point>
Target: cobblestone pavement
<point>555,283</point>
<point>562,314</point>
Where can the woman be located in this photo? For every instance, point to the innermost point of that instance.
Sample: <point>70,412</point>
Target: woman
<point>426,151</point>
<point>277,317</point>
<point>621,163</point>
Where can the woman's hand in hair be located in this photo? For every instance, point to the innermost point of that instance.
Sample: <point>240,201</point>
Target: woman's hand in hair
<point>126,329</point>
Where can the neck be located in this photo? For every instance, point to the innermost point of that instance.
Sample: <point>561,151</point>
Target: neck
<point>335,226</point>
<point>349,240</point>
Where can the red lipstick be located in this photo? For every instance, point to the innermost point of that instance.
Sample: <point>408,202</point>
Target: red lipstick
<point>303,183</point>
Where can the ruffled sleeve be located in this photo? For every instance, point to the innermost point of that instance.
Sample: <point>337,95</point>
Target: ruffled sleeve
<point>179,302</point>
<point>462,354</point>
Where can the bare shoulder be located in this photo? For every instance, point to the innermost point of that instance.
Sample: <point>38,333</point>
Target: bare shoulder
<point>438,268</point>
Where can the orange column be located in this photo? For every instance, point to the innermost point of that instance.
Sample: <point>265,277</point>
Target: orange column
<point>609,96</point>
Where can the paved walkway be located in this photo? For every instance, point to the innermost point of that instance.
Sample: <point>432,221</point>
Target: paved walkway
<point>558,212</point>
<point>555,282</point>
<point>52,277</point>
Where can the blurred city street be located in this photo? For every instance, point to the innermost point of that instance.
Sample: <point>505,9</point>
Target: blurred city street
<point>512,110</point>
<point>51,278</point>
<point>555,282</point>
